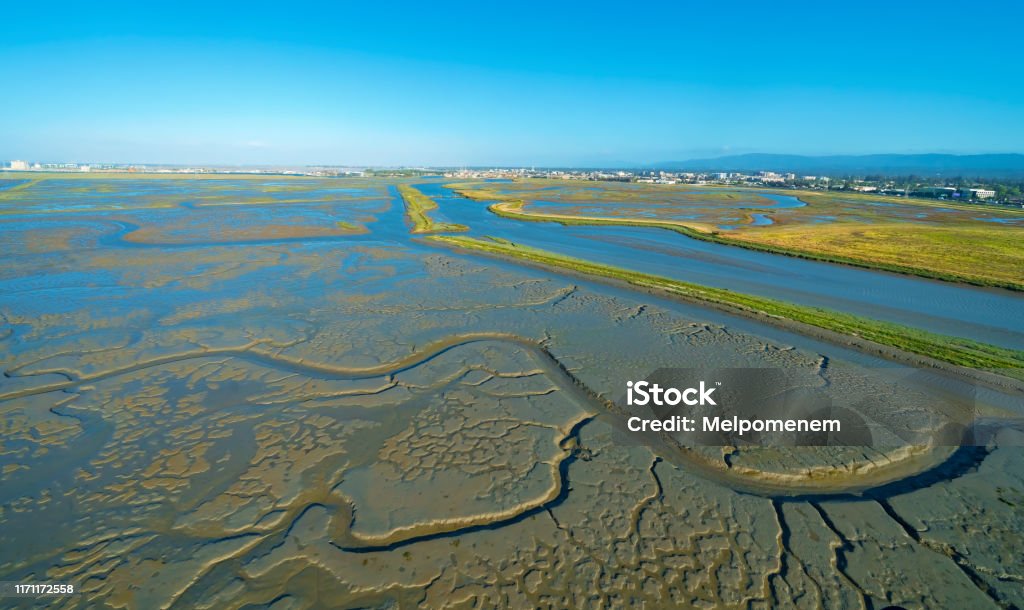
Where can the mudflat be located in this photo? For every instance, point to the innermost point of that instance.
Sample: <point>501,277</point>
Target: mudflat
<point>228,393</point>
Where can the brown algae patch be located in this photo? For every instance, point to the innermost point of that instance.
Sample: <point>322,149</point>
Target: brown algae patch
<point>150,235</point>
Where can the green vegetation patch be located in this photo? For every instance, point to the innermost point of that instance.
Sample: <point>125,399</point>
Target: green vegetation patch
<point>12,192</point>
<point>981,255</point>
<point>418,207</point>
<point>954,249</point>
<point>954,350</point>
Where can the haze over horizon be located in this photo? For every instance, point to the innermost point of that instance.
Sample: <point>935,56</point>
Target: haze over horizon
<point>580,85</point>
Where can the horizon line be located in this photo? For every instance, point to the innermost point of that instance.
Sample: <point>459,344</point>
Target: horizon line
<point>479,165</point>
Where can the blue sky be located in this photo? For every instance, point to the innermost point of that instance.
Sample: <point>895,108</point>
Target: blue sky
<point>520,83</point>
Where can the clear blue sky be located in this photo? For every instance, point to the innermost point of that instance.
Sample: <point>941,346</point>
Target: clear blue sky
<point>521,83</point>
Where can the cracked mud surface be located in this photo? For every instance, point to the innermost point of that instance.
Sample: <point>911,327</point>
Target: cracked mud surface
<point>364,421</point>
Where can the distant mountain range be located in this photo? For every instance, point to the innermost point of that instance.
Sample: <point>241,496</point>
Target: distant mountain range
<point>981,166</point>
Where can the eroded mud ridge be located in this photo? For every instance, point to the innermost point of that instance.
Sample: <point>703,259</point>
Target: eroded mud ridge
<point>376,423</point>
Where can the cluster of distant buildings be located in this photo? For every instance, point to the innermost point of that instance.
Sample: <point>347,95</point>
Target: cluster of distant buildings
<point>948,192</point>
<point>762,178</point>
<point>558,174</point>
<point>935,192</point>
<point>25,166</point>
<point>648,177</point>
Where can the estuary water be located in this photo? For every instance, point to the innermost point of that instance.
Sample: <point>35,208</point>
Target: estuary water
<point>990,315</point>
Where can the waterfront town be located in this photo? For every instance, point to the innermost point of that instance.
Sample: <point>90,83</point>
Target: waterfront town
<point>1009,193</point>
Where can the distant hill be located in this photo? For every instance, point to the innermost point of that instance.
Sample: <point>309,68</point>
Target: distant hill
<point>982,166</point>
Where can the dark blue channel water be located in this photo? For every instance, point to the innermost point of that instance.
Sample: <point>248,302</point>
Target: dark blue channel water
<point>990,315</point>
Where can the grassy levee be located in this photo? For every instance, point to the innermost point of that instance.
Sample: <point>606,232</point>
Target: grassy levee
<point>512,208</point>
<point>952,350</point>
<point>418,207</point>
<point>11,192</point>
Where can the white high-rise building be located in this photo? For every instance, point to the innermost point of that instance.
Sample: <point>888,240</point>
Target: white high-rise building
<point>19,165</point>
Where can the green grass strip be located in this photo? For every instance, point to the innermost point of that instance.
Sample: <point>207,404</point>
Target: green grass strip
<point>503,209</point>
<point>954,350</point>
<point>417,209</point>
<point>11,192</point>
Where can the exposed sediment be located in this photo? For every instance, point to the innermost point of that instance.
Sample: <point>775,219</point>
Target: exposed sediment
<point>389,426</point>
<point>988,364</point>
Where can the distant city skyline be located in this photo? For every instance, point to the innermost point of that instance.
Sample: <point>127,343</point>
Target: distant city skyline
<point>530,84</point>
